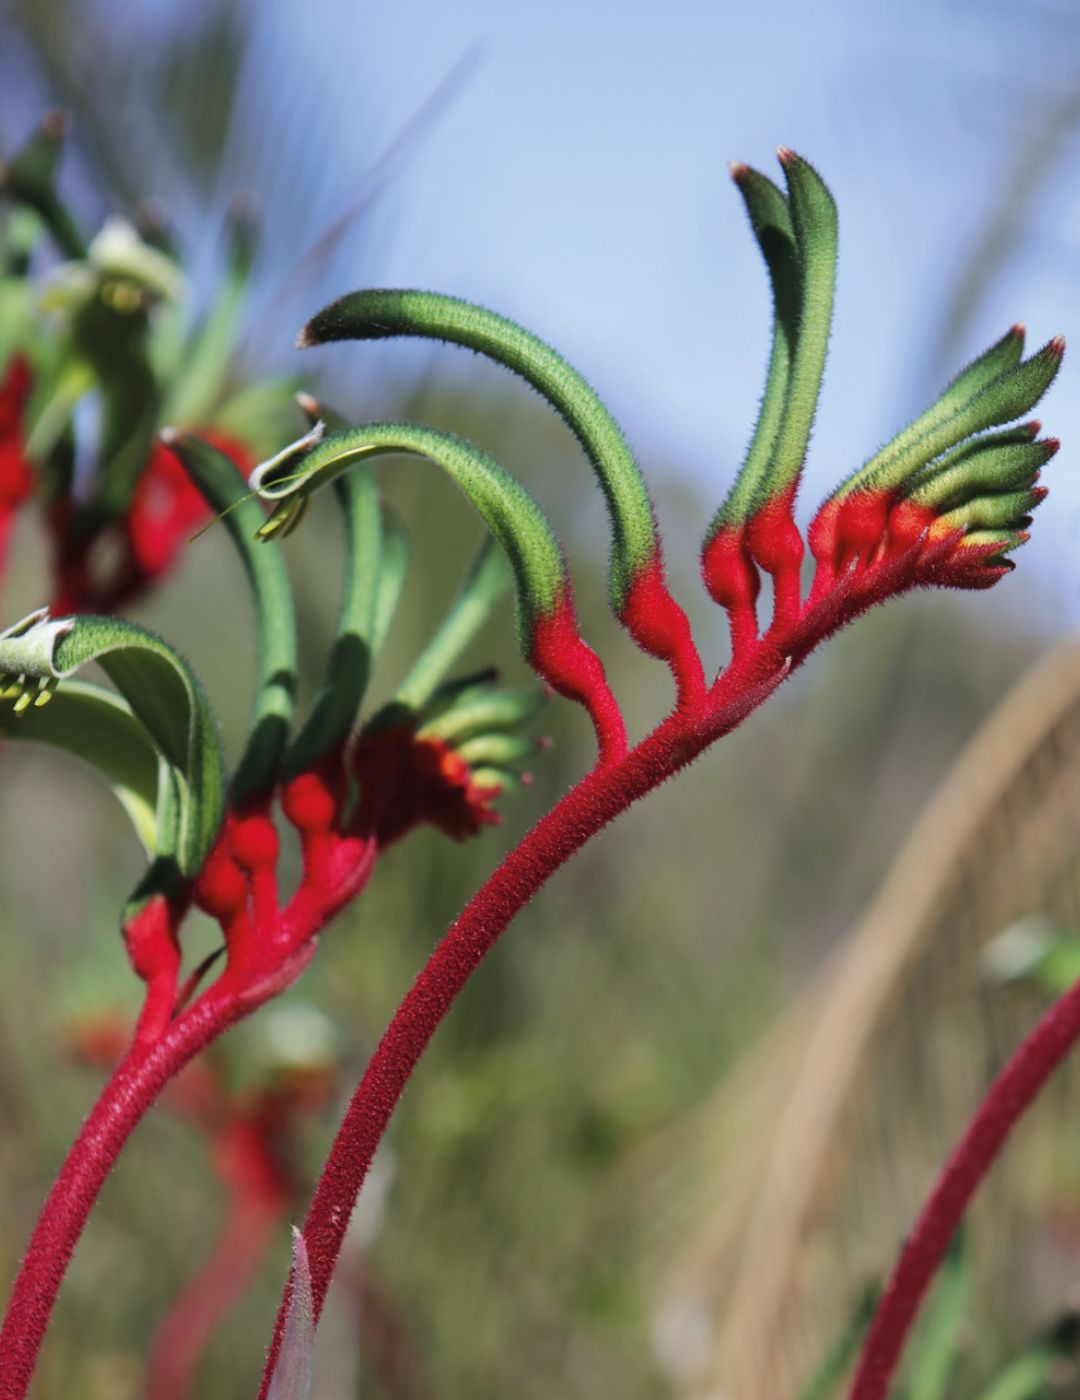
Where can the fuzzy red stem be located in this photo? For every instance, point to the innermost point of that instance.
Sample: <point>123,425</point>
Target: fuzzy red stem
<point>596,800</point>
<point>133,1088</point>
<point>252,1222</point>
<point>1009,1097</point>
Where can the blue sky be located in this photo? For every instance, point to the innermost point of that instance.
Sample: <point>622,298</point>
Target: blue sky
<point>579,184</point>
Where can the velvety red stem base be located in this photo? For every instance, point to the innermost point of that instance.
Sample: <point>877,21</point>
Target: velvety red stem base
<point>1010,1095</point>
<point>131,1091</point>
<point>595,801</point>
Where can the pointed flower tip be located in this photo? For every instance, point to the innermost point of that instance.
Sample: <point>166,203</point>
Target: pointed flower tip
<point>1056,347</point>
<point>309,405</point>
<point>786,156</point>
<point>307,338</point>
<point>1018,330</point>
<point>738,170</point>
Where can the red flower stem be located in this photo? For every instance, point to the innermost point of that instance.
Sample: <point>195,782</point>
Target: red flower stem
<point>253,1221</point>
<point>1009,1097</point>
<point>130,1093</point>
<point>601,796</point>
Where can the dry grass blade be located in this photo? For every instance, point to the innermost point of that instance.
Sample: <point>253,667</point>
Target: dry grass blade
<point>891,1050</point>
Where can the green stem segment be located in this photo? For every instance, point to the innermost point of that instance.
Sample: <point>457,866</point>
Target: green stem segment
<point>275,623</point>
<point>348,668</point>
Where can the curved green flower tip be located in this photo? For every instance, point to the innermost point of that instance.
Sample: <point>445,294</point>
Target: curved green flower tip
<point>96,726</point>
<point>29,177</point>
<point>814,222</point>
<point>770,220</point>
<point>497,750</point>
<point>476,707</point>
<point>34,165</point>
<point>376,315</point>
<point>163,694</point>
<point>487,581</point>
<point>222,486</point>
<point>985,395</point>
<point>1005,509</point>
<point>273,480</point>
<point>117,252</point>
<point>508,510</point>
<point>1005,461</point>
<point>1005,540</point>
<point>491,779</point>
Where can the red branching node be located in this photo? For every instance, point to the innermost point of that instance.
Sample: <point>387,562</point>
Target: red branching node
<point>571,667</point>
<point>733,581</point>
<point>660,627</point>
<point>777,546</point>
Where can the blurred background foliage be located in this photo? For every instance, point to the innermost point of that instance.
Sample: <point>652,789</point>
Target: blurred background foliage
<point>532,1202</point>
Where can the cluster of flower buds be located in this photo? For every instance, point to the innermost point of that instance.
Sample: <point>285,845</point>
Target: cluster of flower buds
<point>250,1101</point>
<point>942,503</point>
<point>438,752</point>
<point>98,351</point>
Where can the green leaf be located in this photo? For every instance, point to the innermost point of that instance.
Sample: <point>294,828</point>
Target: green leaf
<point>95,725</point>
<point>377,315</point>
<point>164,695</point>
<point>275,624</point>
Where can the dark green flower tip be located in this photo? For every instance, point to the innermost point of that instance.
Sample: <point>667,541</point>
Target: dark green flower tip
<point>770,221</point>
<point>796,232</point>
<point>29,179</point>
<point>995,389</point>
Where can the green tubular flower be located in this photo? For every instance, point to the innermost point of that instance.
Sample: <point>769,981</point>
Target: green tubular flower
<point>164,697</point>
